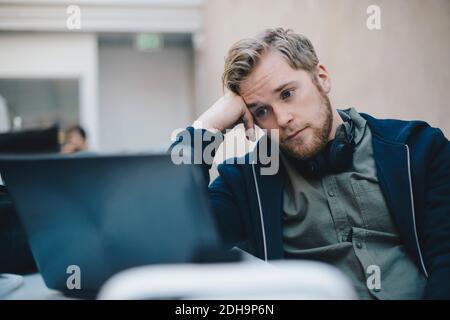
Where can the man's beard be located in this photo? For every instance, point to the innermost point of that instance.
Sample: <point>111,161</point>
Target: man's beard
<point>302,150</point>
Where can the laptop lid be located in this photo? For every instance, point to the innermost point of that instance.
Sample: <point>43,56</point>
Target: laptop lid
<point>30,141</point>
<point>107,213</point>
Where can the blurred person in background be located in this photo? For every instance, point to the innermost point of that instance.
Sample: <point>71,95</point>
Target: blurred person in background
<point>76,140</point>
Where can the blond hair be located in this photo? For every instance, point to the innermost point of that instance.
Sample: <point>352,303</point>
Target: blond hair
<point>244,55</point>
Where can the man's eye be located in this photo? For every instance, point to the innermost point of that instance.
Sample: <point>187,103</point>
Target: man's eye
<point>286,94</point>
<point>261,112</point>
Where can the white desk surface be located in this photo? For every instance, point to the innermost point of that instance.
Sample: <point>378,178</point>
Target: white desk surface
<point>244,280</point>
<point>34,288</point>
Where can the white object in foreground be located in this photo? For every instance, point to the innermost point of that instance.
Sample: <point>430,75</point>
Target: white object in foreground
<point>245,280</point>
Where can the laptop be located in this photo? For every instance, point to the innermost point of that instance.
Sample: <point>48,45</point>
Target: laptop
<point>96,215</point>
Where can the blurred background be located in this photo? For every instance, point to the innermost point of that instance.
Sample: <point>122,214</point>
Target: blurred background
<point>136,70</point>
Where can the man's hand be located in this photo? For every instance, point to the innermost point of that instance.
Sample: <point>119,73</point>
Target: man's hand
<point>226,113</point>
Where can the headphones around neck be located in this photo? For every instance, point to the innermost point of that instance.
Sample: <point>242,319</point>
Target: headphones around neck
<point>336,157</point>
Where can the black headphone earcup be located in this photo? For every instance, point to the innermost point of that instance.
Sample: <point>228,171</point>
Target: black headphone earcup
<point>333,155</point>
<point>317,166</point>
<point>340,156</point>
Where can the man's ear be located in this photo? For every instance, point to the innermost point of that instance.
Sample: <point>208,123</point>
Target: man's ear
<point>323,78</point>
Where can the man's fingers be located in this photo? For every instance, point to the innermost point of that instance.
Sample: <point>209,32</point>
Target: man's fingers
<point>249,125</point>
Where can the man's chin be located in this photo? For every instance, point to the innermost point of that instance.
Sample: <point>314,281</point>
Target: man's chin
<point>297,154</point>
<point>301,153</point>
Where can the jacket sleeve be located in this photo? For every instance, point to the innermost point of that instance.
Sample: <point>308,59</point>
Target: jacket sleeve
<point>198,147</point>
<point>436,229</point>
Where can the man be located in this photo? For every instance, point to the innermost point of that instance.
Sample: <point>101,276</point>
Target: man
<point>353,191</point>
<point>75,140</point>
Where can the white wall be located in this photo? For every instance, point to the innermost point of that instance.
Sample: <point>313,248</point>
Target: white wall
<point>400,71</point>
<point>144,96</point>
<point>56,55</point>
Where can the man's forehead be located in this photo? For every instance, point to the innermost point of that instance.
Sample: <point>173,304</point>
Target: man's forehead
<point>271,72</point>
<point>264,80</point>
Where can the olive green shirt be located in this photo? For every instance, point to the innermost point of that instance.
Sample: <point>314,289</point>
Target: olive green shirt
<point>342,219</point>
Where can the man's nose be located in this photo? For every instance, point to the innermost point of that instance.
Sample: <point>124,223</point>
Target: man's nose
<point>283,117</point>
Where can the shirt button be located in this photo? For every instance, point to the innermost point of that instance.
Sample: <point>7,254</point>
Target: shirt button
<point>359,245</point>
<point>331,193</point>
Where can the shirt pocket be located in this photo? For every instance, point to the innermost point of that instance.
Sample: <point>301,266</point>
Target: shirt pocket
<point>372,205</point>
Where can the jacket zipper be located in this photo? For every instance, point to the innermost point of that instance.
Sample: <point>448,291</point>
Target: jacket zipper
<point>260,214</point>
<point>414,213</point>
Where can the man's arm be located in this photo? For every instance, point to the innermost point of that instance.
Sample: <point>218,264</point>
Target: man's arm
<point>226,213</point>
<point>226,113</point>
<point>436,229</point>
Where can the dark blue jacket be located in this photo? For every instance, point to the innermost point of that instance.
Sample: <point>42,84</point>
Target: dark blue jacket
<point>413,168</point>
